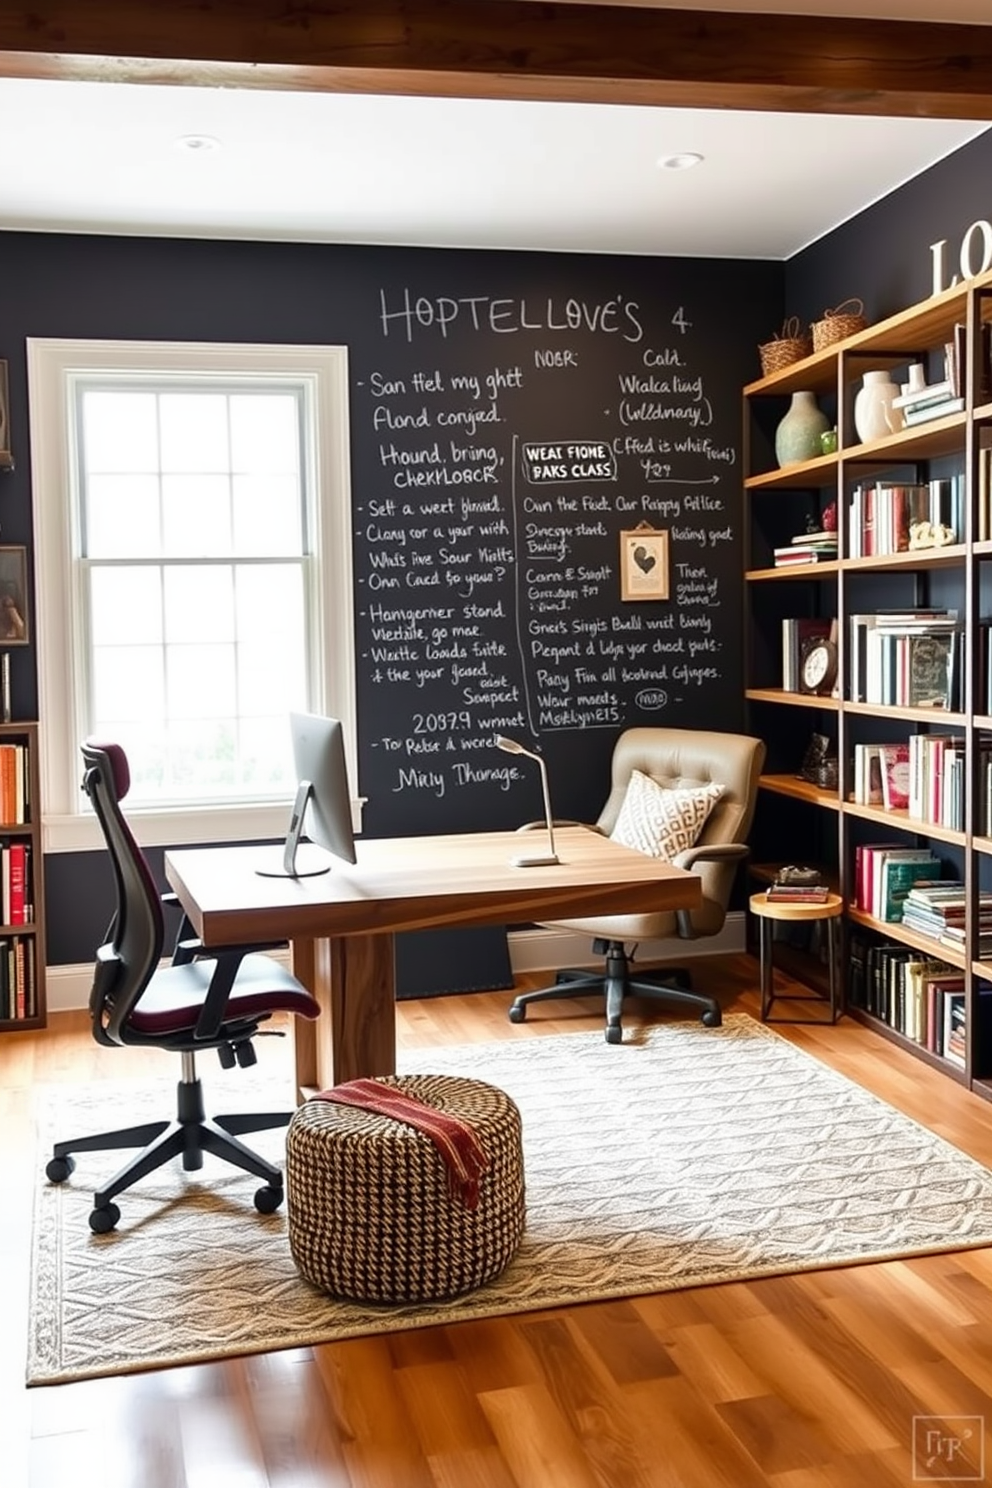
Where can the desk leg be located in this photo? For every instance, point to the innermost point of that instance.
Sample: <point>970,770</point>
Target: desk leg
<point>353,980</point>
<point>305,1030</point>
<point>363,1007</point>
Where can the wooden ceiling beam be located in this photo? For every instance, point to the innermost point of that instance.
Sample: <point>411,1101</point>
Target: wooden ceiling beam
<point>603,53</point>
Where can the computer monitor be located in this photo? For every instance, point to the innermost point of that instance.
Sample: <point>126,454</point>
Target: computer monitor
<point>323,799</point>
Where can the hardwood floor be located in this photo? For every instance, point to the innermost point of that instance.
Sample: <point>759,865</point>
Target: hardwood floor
<point>808,1381</point>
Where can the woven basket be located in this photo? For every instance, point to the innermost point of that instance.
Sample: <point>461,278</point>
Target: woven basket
<point>791,346</point>
<point>371,1214</point>
<point>838,324</point>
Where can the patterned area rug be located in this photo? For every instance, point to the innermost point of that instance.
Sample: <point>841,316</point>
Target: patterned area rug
<point>685,1156</point>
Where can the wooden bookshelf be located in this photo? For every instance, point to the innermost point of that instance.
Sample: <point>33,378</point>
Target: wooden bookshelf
<point>958,575</point>
<point>22,941</point>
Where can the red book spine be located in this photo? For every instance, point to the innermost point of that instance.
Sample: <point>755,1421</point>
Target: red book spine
<point>18,884</point>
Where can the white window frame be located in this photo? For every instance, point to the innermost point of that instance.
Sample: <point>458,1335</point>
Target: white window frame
<point>68,824</point>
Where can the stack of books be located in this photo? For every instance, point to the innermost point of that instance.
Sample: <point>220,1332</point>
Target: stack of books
<point>13,783</point>
<point>906,658</point>
<point>920,996</point>
<point>798,886</point>
<point>808,547</point>
<point>921,404</point>
<point>923,776</point>
<point>15,905</point>
<point>939,910</point>
<point>886,873</point>
<point>882,515</point>
<point>936,779</point>
<point>18,981</point>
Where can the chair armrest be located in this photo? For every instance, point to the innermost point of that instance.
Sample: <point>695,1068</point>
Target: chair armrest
<point>188,945</point>
<point>215,1003</point>
<point>715,852</point>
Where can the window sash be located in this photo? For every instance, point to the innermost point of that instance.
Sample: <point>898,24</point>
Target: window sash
<point>57,370</point>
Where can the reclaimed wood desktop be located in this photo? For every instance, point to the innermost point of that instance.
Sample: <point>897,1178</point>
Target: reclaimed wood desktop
<point>341,924</point>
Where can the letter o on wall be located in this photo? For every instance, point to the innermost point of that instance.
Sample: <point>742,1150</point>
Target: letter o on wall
<point>983,230</point>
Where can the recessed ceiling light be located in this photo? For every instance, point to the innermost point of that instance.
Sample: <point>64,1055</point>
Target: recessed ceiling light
<point>199,143</point>
<point>684,161</point>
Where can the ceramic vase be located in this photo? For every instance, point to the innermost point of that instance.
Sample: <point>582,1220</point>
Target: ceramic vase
<point>798,435</point>
<point>874,416</point>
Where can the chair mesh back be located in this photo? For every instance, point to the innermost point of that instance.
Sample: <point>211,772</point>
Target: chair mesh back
<point>126,963</point>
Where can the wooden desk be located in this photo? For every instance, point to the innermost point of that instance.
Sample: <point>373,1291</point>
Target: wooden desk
<point>341,924</point>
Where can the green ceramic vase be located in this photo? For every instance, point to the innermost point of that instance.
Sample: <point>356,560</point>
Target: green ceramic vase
<point>798,435</point>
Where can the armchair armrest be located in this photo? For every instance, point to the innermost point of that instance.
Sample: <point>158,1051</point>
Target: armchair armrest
<point>715,852</point>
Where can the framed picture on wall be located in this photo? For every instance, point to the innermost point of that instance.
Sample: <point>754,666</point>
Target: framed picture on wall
<point>13,597</point>
<point>644,563</point>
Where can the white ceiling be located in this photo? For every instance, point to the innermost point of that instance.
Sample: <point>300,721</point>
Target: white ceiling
<point>452,172</point>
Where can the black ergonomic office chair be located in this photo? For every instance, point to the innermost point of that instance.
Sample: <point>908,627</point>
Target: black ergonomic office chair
<point>672,758</point>
<point>204,1000</point>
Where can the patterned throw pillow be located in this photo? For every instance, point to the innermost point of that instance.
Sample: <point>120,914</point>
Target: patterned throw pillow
<point>660,821</point>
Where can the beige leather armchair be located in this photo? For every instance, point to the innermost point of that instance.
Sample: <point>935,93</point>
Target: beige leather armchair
<point>671,757</point>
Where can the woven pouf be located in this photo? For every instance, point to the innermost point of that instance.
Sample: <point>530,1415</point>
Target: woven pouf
<point>372,1214</point>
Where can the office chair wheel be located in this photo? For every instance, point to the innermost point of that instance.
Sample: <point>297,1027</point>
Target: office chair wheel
<point>517,1014</point>
<point>614,1035</point>
<point>103,1219</point>
<point>59,1168</point>
<point>268,1199</point>
<point>712,1018</point>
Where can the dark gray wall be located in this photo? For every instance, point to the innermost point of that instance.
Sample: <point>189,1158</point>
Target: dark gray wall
<point>882,256</point>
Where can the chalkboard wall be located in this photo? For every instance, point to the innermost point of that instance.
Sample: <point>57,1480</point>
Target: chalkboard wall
<point>512,414</point>
<point>511,419</point>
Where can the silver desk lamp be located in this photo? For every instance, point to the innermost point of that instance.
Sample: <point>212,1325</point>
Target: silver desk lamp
<point>533,860</point>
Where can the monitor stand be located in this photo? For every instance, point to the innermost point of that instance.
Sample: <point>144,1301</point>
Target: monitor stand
<point>291,865</point>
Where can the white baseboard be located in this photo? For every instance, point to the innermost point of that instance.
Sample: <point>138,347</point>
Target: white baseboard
<point>68,987</point>
<point>543,949</point>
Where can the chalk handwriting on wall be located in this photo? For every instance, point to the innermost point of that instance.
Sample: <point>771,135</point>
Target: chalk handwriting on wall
<point>503,444</point>
<point>445,314</point>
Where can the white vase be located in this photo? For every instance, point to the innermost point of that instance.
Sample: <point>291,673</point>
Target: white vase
<point>798,435</point>
<point>874,416</point>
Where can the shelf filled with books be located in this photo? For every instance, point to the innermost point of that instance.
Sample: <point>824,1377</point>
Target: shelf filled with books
<point>919,998</point>
<point>869,619</point>
<point>22,918</point>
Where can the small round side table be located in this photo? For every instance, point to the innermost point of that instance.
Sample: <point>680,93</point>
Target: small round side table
<point>765,911</point>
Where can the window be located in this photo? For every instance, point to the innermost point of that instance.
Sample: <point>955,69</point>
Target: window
<point>193,575</point>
